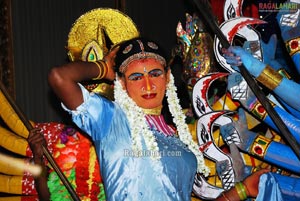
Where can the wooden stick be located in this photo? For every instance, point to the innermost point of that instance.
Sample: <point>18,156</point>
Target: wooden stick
<point>48,155</point>
<point>204,11</point>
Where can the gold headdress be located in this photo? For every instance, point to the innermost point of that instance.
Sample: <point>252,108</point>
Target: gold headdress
<point>87,38</point>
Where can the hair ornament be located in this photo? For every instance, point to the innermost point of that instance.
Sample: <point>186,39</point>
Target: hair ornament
<point>152,45</point>
<point>127,49</point>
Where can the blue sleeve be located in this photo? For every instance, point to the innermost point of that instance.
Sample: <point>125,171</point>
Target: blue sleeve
<point>94,115</point>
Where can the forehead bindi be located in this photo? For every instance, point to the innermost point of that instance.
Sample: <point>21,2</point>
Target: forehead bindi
<point>143,65</point>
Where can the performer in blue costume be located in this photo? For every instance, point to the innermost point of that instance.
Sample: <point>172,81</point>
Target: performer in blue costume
<point>141,156</point>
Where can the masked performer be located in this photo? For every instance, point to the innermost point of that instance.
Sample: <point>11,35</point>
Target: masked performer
<point>131,133</point>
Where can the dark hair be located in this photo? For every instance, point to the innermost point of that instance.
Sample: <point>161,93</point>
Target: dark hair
<point>137,48</point>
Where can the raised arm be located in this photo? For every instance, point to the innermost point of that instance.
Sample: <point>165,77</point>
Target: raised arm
<point>63,79</point>
<point>265,74</point>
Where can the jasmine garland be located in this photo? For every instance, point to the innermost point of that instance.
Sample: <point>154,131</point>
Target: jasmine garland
<point>140,129</point>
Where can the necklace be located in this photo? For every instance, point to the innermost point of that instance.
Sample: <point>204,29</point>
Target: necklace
<point>140,129</point>
<point>153,111</point>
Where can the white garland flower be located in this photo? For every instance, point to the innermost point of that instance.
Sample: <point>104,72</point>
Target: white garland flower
<point>140,129</point>
<point>137,123</point>
<point>182,128</point>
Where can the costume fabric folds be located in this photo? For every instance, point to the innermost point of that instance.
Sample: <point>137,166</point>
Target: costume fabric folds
<point>125,176</point>
<point>276,187</point>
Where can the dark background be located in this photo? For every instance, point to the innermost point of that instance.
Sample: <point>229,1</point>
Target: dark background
<point>40,30</point>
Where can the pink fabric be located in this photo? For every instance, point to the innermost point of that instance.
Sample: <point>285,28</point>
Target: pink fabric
<point>158,122</point>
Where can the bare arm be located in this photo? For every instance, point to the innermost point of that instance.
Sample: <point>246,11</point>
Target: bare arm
<point>251,185</point>
<point>63,79</point>
<point>36,140</point>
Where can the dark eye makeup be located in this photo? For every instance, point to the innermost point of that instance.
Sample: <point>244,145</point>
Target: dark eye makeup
<point>139,76</point>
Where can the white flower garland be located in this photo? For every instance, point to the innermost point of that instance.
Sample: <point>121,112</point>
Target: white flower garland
<point>139,127</point>
<point>182,128</point>
<point>137,123</point>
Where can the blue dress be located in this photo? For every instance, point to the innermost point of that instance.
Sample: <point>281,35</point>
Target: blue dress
<point>125,176</point>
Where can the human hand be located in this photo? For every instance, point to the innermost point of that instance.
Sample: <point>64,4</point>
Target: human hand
<point>252,181</point>
<point>35,141</point>
<point>236,56</point>
<point>110,62</point>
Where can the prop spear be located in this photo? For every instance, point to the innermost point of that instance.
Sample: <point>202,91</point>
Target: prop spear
<point>10,103</point>
<point>204,11</point>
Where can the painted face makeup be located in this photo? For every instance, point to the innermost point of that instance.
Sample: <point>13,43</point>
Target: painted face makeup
<point>145,82</point>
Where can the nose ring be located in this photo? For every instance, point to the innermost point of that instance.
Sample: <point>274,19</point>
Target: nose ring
<point>153,87</point>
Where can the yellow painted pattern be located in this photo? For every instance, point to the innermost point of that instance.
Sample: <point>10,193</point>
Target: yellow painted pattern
<point>12,142</point>
<point>11,184</point>
<point>11,118</point>
<point>15,198</point>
